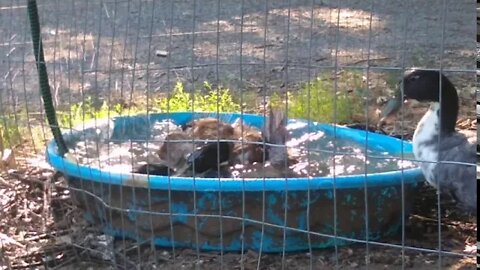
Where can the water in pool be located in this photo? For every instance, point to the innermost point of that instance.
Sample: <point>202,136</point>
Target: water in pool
<point>323,155</point>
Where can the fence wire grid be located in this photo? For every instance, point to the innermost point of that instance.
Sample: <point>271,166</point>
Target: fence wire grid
<point>329,61</point>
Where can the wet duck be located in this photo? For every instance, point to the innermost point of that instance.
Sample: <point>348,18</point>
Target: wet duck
<point>209,129</point>
<point>178,145</point>
<point>154,169</point>
<point>249,149</point>
<point>199,158</point>
<point>175,148</point>
<point>208,160</point>
<point>277,157</point>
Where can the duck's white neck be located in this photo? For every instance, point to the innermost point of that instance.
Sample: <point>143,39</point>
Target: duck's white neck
<point>428,127</point>
<point>425,140</point>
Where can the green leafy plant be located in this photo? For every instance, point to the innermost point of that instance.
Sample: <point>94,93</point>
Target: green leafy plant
<point>83,111</point>
<point>24,130</point>
<point>212,100</point>
<point>180,100</point>
<point>314,100</point>
<point>9,131</point>
<point>317,101</point>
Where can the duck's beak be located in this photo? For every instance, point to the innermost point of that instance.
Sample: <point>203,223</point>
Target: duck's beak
<point>392,107</point>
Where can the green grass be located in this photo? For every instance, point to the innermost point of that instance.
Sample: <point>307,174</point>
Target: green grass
<point>317,101</point>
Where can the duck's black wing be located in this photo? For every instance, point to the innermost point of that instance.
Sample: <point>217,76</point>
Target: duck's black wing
<point>207,158</point>
<point>154,169</point>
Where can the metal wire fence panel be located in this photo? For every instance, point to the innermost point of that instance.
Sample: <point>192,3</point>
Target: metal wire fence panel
<point>310,190</point>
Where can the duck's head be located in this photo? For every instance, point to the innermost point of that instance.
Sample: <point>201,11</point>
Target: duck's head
<point>426,86</point>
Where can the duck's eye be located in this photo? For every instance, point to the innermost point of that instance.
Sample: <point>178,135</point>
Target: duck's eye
<point>413,78</point>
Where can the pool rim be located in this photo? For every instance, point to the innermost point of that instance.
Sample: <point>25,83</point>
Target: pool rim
<point>69,167</point>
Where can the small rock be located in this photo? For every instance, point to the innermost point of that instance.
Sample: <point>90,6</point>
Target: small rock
<point>161,53</point>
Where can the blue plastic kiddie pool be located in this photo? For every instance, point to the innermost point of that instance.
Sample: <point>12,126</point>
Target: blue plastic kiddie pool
<point>236,214</point>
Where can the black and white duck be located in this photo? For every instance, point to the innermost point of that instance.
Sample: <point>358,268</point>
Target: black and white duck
<point>436,139</point>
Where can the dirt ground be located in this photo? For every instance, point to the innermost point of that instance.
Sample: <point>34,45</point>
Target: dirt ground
<point>131,50</point>
<point>41,228</point>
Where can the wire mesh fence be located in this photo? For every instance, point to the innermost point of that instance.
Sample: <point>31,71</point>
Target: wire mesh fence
<point>127,77</point>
